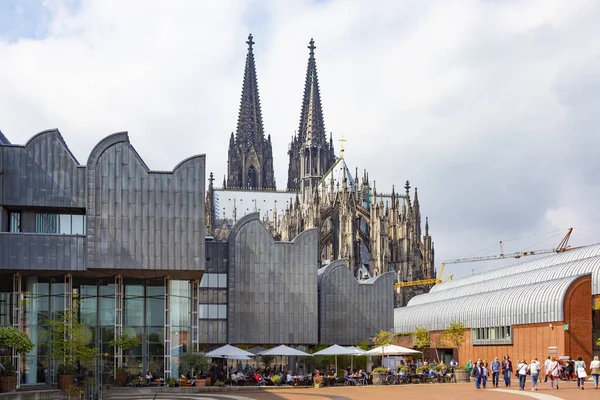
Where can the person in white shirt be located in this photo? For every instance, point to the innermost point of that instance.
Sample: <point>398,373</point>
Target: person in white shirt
<point>546,365</point>
<point>289,379</point>
<point>595,366</point>
<point>534,368</point>
<point>522,368</point>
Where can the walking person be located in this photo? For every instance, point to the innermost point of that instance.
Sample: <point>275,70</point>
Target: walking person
<point>553,372</point>
<point>495,372</point>
<point>534,369</point>
<point>478,374</point>
<point>580,371</point>
<point>486,374</point>
<point>546,364</point>
<point>470,367</point>
<point>507,369</point>
<point>595,366</point>
<point>522,369</point>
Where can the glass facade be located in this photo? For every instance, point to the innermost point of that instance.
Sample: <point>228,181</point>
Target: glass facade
<point>44,299</point>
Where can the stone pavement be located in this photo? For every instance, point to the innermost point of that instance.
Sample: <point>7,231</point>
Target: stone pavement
<point>567,390</point>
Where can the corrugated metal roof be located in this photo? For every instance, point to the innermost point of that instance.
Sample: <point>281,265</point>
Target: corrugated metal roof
<point>588,265</point>
<point>525,304</point>
<point>561,258</point>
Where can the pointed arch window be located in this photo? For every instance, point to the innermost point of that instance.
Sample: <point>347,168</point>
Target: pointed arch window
<point>252,178</point>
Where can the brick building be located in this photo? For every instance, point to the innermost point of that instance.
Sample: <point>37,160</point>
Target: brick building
<point>531,309</point>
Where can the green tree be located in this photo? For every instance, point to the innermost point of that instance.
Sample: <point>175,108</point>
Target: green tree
<point>383,338</point>
<point>125,342</point>
<point>13,337</point>
<point>421,337</point>
<point>455,333</point>
<point>70,339</point>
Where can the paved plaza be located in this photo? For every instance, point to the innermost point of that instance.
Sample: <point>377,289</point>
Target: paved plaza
<point>435,391</point>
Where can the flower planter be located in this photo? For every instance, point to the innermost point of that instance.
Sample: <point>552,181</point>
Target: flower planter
<point>8,384</point>
<point>378,378</point>
<point>65,380</point>
<point>122,378</point>
<point>200,382</point>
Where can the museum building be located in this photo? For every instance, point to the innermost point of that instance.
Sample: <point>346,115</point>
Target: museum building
<point>126,246</point>
<point>533,309</point>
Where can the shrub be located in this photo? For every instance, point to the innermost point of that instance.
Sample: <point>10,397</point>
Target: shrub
<point>219,384</point>
<point>381,370</point>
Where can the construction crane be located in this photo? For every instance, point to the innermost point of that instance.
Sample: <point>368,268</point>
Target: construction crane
<point>432,281</point>
<point>561,248</point>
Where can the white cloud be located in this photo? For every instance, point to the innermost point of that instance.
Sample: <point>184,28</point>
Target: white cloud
<point>487,107</point>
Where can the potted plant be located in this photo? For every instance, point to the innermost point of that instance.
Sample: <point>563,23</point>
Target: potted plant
<point>17,339</point>
<point>379,375</point>
<point>125,342</point>
<point>197,364</point>
<point>70,339</point>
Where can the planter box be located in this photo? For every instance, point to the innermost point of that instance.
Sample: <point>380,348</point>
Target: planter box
<point>379,378</point>
<point>462,375</point>
<point>8,384</point>
<point>200,382</point>
<point>65,380</point>
<point>122,378</point>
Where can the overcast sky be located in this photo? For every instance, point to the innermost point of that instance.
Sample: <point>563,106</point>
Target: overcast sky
<point>490,108</point>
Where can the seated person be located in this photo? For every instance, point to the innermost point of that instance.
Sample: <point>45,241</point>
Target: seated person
<point>362,376</point>
<point>259,379</point>
<point>431,373</point>
<point>148,377</point>
<point>348,378</point>
<point>289,379</point>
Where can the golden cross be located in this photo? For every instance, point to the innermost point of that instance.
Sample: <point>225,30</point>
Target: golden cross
<point>342,141</point>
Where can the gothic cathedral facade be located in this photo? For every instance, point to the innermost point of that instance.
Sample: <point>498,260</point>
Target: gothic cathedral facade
<point>374,232</point>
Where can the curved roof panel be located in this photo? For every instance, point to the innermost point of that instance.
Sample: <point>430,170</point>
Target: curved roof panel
<point>561,258</point>
<point>586,265</point>
<point>525,304</point>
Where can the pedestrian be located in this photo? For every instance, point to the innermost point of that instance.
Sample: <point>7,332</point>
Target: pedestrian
<point>478,374</point>
<point>486,374</point>
<point>507,369</point>
<point>470,367</point>
<point>522,369</point>
<point>534,369</point>
<point>553,372</point>
<point>595,366</point>
<point>546,365</point>
<point>495,372</point>
<point>580,371</point>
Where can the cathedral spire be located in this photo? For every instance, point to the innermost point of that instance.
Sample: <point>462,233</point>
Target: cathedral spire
<point>311,116</point>
<point>250,160</point>
<point>250,124</point>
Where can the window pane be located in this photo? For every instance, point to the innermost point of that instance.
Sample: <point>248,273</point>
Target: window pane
<point>213,312</point>
<point>46,223</point>
<point>14,222</point>
<point>64,224</point>
<point>213,281</point>
<point>203,311</point>
<point>222,311</point>
<point>222,280</point>
<point>77,224</point>
<point>204,281</point>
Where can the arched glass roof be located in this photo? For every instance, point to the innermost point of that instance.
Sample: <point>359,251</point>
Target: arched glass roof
<point>525,277</point>
<point>525,304</point>
<point>561,258</point>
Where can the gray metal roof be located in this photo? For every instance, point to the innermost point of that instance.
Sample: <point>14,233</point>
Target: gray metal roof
<point>526,304</point>
<point>573,268</point>
<point>3,139</point>
<point>561,258</point>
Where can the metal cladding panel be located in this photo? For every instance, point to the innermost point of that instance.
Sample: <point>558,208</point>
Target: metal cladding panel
<point>352,311</point>
<point>561,258</point>
<point>525,304</point>
<point>33,251</point>
<point>586,265</point>
<point>138,219</point>
<point>42,173</point>
<point>216,257</point>
<point>272,286</point>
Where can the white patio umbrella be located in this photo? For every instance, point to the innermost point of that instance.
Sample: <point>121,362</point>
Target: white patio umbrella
<point>356,352</point>
<point>392,350</point>
<point>335,350</point>
<point>283,350</point>
<point>229,351</point>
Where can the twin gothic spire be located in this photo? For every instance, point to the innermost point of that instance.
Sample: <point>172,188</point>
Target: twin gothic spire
<point>250,158</point>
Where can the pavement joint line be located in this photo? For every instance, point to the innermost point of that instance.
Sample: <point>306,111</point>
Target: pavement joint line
<point>535,395</point>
